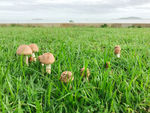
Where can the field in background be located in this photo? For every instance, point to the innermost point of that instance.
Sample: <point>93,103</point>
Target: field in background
<point>113,25</point>
<point>124,87</point>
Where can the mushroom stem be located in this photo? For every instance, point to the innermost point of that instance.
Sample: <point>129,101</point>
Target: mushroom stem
<point>33,55</point>
<point>118,55</point>
<point>27,60</point>
<point>48,68</point>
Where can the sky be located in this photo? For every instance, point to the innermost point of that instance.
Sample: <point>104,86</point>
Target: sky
<point>73,9</point>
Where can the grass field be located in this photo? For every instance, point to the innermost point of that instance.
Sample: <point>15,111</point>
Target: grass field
<point>124,87</point>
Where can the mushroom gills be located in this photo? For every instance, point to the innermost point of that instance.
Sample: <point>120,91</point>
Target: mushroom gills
<point>48,68</point>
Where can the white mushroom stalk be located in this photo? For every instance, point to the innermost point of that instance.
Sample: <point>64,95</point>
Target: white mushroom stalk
<point>118,55</point>
<point>42,65</point>
<point>48,68</point>
<point>33,55</point>
<point>26,60</point>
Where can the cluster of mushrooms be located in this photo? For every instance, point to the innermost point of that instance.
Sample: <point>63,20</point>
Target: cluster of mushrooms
<point>48,59</point>
<point>30,50</point>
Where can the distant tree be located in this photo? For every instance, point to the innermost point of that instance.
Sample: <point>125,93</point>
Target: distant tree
<point>104,25</point>
<point>71,21</point>
<point>135,26</point>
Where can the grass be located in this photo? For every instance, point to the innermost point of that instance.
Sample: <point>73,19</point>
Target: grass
<point>124,87</point>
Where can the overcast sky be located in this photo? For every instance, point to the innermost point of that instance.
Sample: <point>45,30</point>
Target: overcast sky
<point>73,9</point>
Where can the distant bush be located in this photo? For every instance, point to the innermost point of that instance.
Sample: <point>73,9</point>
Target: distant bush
<point>135,26</point>
<point>13,25</point>
<point>104,26</point>
<point>71,21</point>
<point>28,25</point>
<point>139,27</point>
<point>21,25</point>
<point>131,26</point>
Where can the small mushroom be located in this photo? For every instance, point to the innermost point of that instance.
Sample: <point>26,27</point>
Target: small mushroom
<point>31,59</point>
<point>48,59</point>
<point>85,72</point>
<point>107,65</point>
<point>117,51</point>
<point>66,76</point>
<point>24,50</point>
<point>35,49</point>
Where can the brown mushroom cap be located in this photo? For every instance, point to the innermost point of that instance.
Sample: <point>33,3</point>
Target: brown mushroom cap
<point>24,50</point>
<point>107,65</point>
<point>47,58</point>
<point>34,47</point>
<point>117,49</point>
<point>66,76</point>
<point>39,57</point>
<point>86,73</point>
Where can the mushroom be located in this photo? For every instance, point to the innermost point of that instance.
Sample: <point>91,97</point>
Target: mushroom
<point>35,49</point>
<point>48,59</point>
<point>85,72</point>
<point>117,51</point>
<point>24,50</point>
<point>66,76</point>
<point>107,65</point>
<point>31,59</point>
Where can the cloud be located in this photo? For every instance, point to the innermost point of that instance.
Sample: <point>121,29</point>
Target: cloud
<point>4,3</point>
<point>73,8</point>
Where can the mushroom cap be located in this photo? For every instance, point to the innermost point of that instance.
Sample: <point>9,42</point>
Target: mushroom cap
<point>86,73</point>
<point>47,58</point>
<point>24,50</point>
<point>107,65</point>
<point>39,57</point>
<point>117,49</point>
<point>118,46</point>
<point>34,47</point>
<point>66,76</point>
